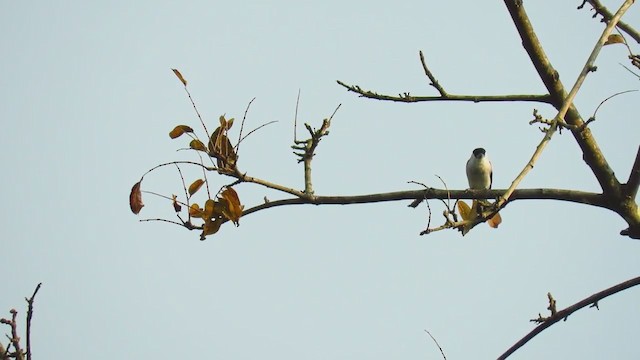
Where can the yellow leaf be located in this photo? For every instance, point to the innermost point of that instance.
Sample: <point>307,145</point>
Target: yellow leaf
<point>197,145</point>
<point>464,209</point>
<point>135,198</point>
<point>184,82</point>
<point>614,39</point>
<point>195,186</point>
<point>179,130</point>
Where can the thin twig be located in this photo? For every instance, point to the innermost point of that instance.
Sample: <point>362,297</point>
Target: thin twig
<point>438,345</point>
<point>184,185</point>
<point>563,314</point>
<point>197,112</point>
<point>295,119</point>
<point>172,222</point>
<point>631,71</point>
<point>208,168</point>
<point>237,147</point>
<point>256,129</point>
<point>29,317</point>
<point>593,117</point>
<point>408,98</point>
<point>448,204</point>
<point>434,82</point>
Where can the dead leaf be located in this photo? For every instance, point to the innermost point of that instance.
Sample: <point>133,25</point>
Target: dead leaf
<point>135,198</point>
<point>195,211</point>
<point>495,221</point>
<point>176,205</point>
<point>179,130</point>
<point>614,39</point>
<point>209,209</point>
<point>226,124</point>
<point>195,186</point>
<point>464,209</point>
<point>232,209</point>
<point>184,82</point>
<point>210,227</point>
<point>197,145</point>
<point>220,148</point>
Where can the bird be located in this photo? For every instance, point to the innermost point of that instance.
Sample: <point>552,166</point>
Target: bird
<point>480,177</point>
<point>479,170</point>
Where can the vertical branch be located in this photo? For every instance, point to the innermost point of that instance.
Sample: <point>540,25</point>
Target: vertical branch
<point>308,148</point>
<point>29,316</point>
<point>634,178</point>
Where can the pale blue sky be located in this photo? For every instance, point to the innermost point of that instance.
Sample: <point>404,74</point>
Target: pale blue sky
<point>87,98</point>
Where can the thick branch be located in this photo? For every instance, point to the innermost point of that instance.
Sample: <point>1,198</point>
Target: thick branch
<point>408,98</point>
<point>607,15</point>
<point>592,155</point>
<point>551,79</point>
<point>523,194</point>
<point>563,314</point>
<point>567,102</point>
<point>634,178</point>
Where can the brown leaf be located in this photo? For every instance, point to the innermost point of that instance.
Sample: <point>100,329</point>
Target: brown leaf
<point>209,209</point>
<point>135,198</point>
<point>179,130</point>
<point>195,186</point>
<point>197,145</point>
<point>210,227</point>
<point>225,124</point>
<point>184,82</point>
<point>176,205</point>
<point>220,148</point>
<point>196,211</point>
<point>232,209</point>
<point>614,39</point>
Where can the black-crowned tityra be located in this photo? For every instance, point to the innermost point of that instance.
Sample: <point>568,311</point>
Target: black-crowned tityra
<point>479,170</point>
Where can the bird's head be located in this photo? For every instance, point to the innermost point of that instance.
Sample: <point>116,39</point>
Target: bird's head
<point>479,153</point>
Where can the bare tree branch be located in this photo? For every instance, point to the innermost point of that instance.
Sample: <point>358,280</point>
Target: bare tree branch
<point>18,354</point>
<point>408,98</point>
<point>433,83</point>
<point>521,194</point>
<point>634,178</point>
<point>438,345</point>
<point>592,155</point>
<point>607,15</point>
<point>29,316</point>
<point>568,100</point>
<point>563,314</point>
